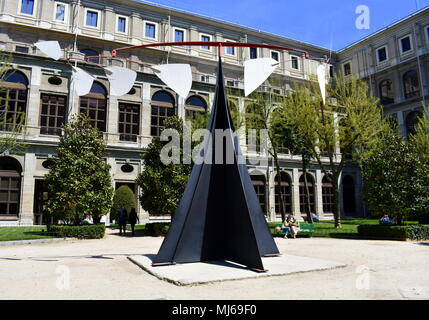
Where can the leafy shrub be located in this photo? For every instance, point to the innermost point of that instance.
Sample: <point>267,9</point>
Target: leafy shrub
<point>389,232</point>
<point>93,231</point>
<point>157,229</point>
<point>124,197</point>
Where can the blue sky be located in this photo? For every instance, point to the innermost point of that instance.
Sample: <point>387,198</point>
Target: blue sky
<point>330,24</point>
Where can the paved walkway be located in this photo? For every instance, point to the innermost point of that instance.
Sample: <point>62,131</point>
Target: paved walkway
<point>100,269</point>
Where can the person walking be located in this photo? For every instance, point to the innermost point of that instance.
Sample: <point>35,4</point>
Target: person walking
<point>122,219</point>
<point>133,219</point>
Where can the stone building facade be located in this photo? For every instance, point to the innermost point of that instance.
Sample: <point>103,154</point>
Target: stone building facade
<point>41,87</point>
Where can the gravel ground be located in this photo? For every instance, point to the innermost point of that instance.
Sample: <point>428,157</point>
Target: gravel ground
<point>99,269</point>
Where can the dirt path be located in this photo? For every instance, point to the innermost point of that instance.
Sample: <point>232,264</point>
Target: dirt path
<point>99,269</point>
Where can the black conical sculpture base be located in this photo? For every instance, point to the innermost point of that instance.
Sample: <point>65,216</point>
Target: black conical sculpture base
<point>219,216</point>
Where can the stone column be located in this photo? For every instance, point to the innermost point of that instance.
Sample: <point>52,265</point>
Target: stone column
<point>109,24</point>
<point>146,109</point>
<point>401,123</point>
<point>136,29</point>
<point>112,120</point>
<point>112,163</point>
<point>319,194</point>
<point>27,190</point>
<point>32,112</point>
<point>296,211</point>
<point>272,193</point>
<point>180,107</point>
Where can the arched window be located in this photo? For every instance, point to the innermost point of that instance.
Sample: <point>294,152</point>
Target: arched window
<point>387,95</point>
<point>94,105</point>
<point>163,106</point>
<point>195,105</point>
<point>411,85</point>
<point>91,53</point>
<point>328,195</point>
<point>311,191</point>
<point>286,192</point>
<point>13,99</point>
<point>10,186</point>
<point>259,184</point>
<point>349,201</point>
<point>411,121</point>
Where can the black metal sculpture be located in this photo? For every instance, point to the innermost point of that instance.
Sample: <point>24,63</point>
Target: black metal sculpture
<point>219,216</point>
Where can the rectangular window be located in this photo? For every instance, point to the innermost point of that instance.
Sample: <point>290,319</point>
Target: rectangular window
<point>27,7</point>
<point>230,51</point>
<point>295,63</point>
<point>406,44</point>
<point>60,12</point>
<point>347,69</point>
<point>205,39</point>
<point>382,54</point>
<point>427,34</point>
<point>92,18</point>
<point>129,121</point>
<point>158,116</point>
<point>95,107</point>
<point>122,24</point>
<point>52,114</point>
<point>331,71</point>
<point>150,30</point>
<point>253,53</point>
<point>179,35</point>
<point>275,55</point>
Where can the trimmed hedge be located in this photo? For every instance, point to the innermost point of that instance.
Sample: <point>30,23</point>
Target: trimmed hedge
<point>389,232</point>
<point>157,229</point>
<point>92,231</point>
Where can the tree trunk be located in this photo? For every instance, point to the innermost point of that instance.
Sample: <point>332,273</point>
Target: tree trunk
<point>306,191</point>
<point>336,210</point>
<point>279,183</point>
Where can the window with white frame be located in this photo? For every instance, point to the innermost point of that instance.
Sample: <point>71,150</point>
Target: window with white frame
<point>347,68</point>
<point>150,30</point>
<point>382,54</point>
<point>253,53</point>
<point>179,35</point>
<point>121,24</point>
<point>60,12</point>
<point>275,55</point>
<point>27,7</point>
<point>405,44</point>
<point>427,33</point>
<point>205,38</point>
<point>294,62</point>
<point>230,51</point>
<point>92,18</point>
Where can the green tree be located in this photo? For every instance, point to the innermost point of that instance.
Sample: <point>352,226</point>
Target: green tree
<point>396,179</point>
<point>420,139</point>
<point>162,185</point>
<point>79,181</point>
<point>262,114</point>
<point>352,123</point>
<point>124,198</point>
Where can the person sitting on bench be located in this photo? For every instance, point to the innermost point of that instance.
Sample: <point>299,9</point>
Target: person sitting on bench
<point>286,228</point>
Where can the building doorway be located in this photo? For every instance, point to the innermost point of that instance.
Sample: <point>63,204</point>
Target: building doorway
<point>349,196</point>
